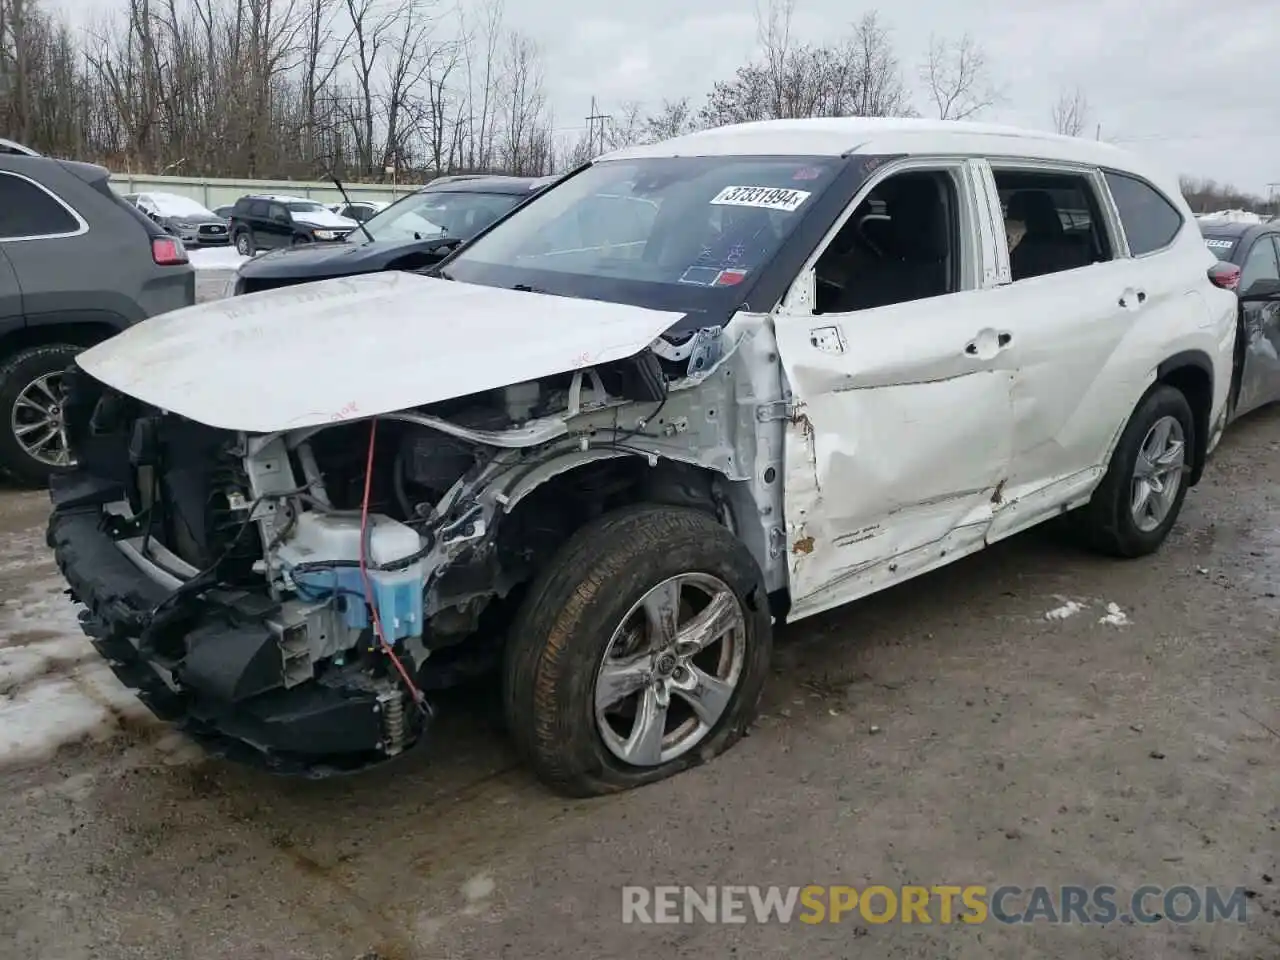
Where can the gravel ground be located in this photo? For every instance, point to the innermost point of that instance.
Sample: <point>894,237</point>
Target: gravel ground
<point>946,731</point>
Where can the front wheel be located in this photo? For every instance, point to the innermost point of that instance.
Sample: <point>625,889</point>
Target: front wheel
<point>641,651</point>
<point>1140,497</point>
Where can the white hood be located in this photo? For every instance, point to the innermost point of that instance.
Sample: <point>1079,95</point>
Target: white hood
<point>358,346</point>
<point>324,218</point>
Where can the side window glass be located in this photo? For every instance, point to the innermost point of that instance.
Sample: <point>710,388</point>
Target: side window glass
<point>1052,222</point>
<point>258,208</point>
<point>28,211</point>
<point>901,243</point>
<point>1260,264</point>
<point>1150,221</point>
<point>278,212</point>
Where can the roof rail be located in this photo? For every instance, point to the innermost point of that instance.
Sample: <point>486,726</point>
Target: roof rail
<point>12,146</point>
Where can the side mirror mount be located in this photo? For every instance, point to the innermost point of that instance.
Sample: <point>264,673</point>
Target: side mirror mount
<point>1264,288</point>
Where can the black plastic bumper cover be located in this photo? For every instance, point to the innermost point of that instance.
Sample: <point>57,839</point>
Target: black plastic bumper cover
<point>310,729</point>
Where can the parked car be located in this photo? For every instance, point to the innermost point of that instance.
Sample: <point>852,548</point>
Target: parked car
<point>270,222</point>
<point>414,232</point>
<point>1249,263</point>
<point>224,212</point>
<point>183,217</point>
<point>604,443</point>
<point>358,210</point>
<point>77,265</point>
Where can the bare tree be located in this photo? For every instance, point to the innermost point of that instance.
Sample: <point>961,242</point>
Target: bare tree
<point>524,136</point>
<point>879,89</point>
<point>674,118</point>
<point>956,76</point>
<point>1071,113</point>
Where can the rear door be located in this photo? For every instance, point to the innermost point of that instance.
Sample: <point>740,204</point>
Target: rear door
<point>901,427</point>
<point>1068,302</point>
<point>1260,313</point>
<point>10,296</point>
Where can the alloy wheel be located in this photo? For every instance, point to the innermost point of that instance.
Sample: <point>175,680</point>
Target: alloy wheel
<point>1157,475</point>
<point>670,670</point>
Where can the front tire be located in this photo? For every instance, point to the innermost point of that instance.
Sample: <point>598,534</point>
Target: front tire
<point>639,652</point>
<point>33,439</point>
<point>1141,495</point>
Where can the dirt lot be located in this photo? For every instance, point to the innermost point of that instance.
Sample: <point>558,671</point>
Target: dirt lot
<point>944,732</point>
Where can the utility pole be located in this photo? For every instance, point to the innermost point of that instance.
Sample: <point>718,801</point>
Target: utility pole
<point>591,122</point>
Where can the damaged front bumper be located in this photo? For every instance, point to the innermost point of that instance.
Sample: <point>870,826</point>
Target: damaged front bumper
<point>213,666</point>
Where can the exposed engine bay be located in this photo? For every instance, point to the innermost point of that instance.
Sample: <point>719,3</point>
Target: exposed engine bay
<point>293,597</point>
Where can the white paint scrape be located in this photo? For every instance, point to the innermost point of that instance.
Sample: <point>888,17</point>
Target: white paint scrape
<point>1068,609</point>
<point>1115,616</point>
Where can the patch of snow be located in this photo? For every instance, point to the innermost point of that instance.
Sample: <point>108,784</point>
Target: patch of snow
<point>1230,216</point>
<point>1068,609</point>
<point>1115,616</point>
<point>54,688</point>
<point>215,258</point>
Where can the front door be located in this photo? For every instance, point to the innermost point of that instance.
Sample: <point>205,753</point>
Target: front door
<point>1260,325</point>
<point>901,430</point>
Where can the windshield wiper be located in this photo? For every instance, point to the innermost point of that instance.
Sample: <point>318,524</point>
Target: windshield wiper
<point>359,223</point>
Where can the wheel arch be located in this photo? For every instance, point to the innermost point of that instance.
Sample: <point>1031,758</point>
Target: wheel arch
<point>619,478</point>
<point>1191,373</point>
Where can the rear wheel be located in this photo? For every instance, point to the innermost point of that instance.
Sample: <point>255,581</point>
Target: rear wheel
<point>641,651</point>
<point>1140,497</point>
<point>244,243</point>
<point>33,436</point>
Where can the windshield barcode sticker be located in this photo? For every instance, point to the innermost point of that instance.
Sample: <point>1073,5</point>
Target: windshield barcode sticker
<point>1219,243</point>
<point>768,198</point>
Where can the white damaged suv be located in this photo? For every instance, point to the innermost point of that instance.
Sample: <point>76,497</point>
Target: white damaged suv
<point>693,389</point>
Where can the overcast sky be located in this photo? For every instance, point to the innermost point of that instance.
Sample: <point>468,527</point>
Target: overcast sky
<point>1194,86</point>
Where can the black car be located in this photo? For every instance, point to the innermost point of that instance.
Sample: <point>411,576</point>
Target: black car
<point>414,232</point>
<point>272,222</point>
<point>78,264</point>
<point>1249,263</point>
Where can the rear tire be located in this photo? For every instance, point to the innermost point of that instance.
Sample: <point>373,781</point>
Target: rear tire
<point>245,245</point>
<point>580,614</point>
<point>1118,521</point>
<point>31,413</point>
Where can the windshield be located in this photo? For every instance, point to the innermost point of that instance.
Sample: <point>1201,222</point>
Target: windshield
<point>303,207</point>
<point>440,213</point>
<point>1221,246</point>
<point>173,205</point>
<point>666,232</point>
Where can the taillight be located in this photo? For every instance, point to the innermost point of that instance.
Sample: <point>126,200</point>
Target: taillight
<point>1225,275</point>
<point>168,251</point>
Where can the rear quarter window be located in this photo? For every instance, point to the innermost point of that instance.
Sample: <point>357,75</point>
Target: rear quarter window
<point>28,210</point>
<point>1149,218</point>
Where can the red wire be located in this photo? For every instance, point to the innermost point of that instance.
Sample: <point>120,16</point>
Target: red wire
<point>364,569</point>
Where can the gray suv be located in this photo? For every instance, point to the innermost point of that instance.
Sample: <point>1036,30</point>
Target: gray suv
<point>77,265</point>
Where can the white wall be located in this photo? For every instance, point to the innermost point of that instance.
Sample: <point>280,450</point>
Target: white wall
<point>215,193</point>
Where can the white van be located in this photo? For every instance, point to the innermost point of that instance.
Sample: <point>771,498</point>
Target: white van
<point>607,444</point>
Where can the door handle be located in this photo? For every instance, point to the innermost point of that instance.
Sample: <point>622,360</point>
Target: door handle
<point>983,339</point>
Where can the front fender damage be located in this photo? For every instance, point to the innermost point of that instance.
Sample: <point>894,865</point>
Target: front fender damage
<point>286,605</point>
